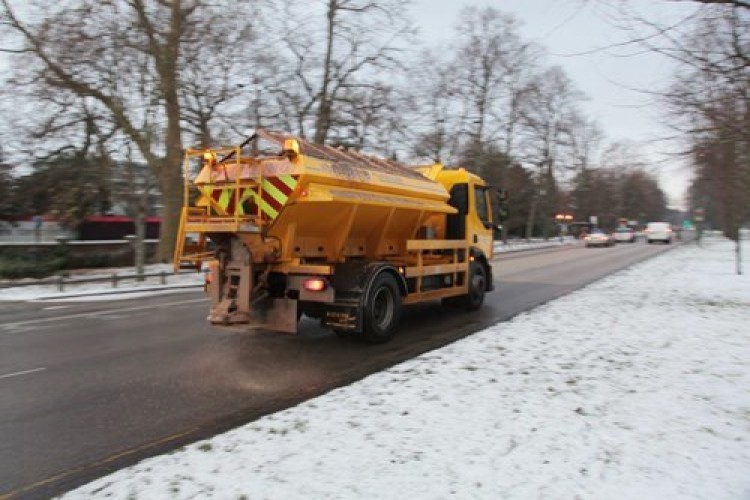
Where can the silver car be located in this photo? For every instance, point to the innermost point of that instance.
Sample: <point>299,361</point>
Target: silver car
<point>624,235</point>
<point>599,238</point>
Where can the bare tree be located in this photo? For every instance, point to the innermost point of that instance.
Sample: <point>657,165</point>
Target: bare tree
<point>585,139</point>
<point>328,52</point>
<point>359,35</point>
<point>547,119</point>
<point>126,57</point>
<point>372,119</point>
<point>433,113</point>
<point>708,101</point>
<point>521,69</point>
<point>483,35</point>
<point>493,70</point>
<point>214,74</point>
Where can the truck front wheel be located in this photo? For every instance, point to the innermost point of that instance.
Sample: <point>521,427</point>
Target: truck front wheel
<point>382,309</point>
<point>477,286</point>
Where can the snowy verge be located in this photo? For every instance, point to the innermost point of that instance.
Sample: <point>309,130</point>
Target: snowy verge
<point>126,289</point>
<point>533,244</point>
<point>634,387</point>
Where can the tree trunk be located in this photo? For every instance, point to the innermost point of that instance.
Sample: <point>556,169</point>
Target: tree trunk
<point>170,182</point>
<point>323,118</point>
<point>170,174</point>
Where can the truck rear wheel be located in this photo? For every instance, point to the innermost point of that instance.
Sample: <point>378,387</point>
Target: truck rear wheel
<point>382,309</point>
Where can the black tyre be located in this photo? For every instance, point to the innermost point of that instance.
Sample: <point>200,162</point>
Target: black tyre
<point>382,309</point>
<point>477,287</point>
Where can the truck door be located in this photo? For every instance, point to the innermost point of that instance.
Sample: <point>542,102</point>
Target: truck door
<point>480,219</point>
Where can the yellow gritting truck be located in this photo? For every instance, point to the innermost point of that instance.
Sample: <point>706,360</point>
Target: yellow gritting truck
<point>288,227</point>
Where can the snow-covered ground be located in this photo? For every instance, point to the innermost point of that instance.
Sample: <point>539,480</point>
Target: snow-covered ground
<point>636,387</point>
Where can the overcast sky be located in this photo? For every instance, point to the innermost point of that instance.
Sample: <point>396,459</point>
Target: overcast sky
<point>568,27</point>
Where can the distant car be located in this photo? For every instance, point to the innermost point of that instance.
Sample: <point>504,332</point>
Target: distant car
<point>598,238</point>
<point>659,231</point>
<point>624,235</point>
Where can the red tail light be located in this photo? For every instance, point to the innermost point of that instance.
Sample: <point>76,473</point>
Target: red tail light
<point>315,284</point>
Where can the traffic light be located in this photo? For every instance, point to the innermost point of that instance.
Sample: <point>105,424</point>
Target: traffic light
<point>501,205</point>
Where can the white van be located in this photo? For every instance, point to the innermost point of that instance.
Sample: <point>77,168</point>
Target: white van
<point>658,231</point>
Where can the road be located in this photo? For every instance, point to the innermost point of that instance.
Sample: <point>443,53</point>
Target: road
<point>86,388</point>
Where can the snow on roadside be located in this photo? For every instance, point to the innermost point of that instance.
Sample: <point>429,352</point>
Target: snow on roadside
<point>126,289</point>
<point>635,387</point>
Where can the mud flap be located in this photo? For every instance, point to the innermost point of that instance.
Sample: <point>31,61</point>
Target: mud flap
<point>279,315</point>
<point>343,317</point>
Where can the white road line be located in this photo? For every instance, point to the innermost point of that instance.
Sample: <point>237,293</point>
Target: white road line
<point>25,372</point>
<point>52,308</point>
<point>97,313</point>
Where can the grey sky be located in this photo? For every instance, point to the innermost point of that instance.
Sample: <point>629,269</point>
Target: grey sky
<point>567,27</point>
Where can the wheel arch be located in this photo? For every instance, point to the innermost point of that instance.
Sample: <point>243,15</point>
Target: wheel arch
<point>376,269</point>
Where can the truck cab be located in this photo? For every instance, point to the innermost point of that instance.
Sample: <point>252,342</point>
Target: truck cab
<point>474,220</point>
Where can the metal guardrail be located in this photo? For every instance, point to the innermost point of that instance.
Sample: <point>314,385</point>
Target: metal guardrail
<point>61,281</point>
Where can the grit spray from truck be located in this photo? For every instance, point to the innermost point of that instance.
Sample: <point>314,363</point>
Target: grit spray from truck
<point>288,227</point>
